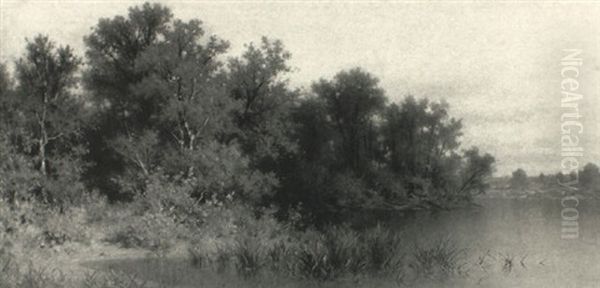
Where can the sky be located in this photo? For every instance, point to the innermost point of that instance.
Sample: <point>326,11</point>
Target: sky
<point>497,64</point>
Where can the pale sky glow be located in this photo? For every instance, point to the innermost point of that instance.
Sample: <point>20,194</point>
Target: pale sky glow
<point>498,65</point>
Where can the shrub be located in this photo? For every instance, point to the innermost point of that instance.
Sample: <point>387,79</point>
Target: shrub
<point>21,225</point>
<point>388,185</point>
<point>352,192</point>
<point>15,275</point>
<point>7,267</point>
<point>96,207</point>
<point>222,259</point>
<point>63,187</point>
<point>9,220</point>
<point>33,277</point>
<point>58,228</point>
<point>156,232</point>
<point>18,177</point>
<point>171,196</point>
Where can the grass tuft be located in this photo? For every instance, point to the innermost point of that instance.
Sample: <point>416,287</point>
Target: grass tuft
<point>442,258</point>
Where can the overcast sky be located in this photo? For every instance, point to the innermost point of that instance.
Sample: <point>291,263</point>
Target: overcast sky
<point>498,65</point>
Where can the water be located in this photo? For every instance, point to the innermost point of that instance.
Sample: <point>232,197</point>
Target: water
<point>526,230</point>
<point>525,233</point>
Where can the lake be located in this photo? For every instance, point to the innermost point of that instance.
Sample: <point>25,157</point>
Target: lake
<point>526,230</point>
<point>508,243</point>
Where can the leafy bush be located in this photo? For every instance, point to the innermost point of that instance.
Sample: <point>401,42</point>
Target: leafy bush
<point>18,178</point>
<point>388,185</point>
<point>156,232</point>
<point>170,196</point>
<point>96,207</point>
<point>352,192</point>
<point>14,274</point>
<point>7,265</point>
<point>58,228</point>
<point>34,277</point>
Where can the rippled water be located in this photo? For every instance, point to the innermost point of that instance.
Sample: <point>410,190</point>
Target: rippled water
<point>524,232</point>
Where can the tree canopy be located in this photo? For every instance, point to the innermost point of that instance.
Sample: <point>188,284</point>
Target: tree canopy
<point>164,107</point>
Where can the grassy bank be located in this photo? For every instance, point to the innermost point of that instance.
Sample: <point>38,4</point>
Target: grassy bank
<point>230,247</point>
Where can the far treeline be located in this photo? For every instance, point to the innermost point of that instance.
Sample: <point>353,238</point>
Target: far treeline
<point>583,181</point>
<point>158,111</point>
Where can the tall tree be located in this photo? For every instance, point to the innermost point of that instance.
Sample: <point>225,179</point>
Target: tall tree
<point>313,132</point>
<point>6,96</point>
<point>352,99</point>
<point>45,75</point>
<point>257,80</point>
<point>473,174</point>
<point>49,119</point>
<point>418,136</point>
<point>114,48</point>
<point>186,80</point>
<point>5,81</point>
<point>165,105</point>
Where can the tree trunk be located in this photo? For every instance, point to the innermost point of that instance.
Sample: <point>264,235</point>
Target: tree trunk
<point>43,141</point>
<point>42,152</point>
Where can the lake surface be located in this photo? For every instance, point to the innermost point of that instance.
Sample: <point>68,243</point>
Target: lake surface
<point>524,232</point>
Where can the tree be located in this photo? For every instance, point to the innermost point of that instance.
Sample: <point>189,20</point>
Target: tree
<point>589,177</point>
<point>561,178</point>
<point>474,173</point>
<point>46,74</point>
<point>312,131</point>
<point>420,141</point>
<point>257,81</point>
<point>5,81</point>
<point>114,49</point>
<point>352,100</point>
<point>7,99</point>
<point>51,117</point>
<point>184,78</point>
<point>519,180</point>
<point>305,176</point>
<point>166,110</point>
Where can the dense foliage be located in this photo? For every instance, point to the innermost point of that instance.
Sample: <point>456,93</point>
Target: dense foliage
<point>165,118</point>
